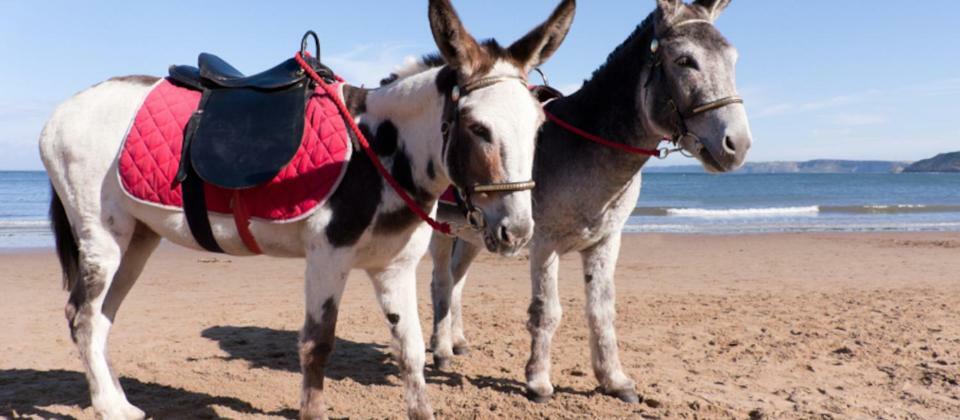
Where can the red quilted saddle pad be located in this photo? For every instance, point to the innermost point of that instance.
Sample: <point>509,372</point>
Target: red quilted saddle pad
<point>150,158</point>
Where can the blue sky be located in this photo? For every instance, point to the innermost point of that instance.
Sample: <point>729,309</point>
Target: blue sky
<point>848,79</point>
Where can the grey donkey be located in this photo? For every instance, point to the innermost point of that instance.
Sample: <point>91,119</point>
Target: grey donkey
<point>673,77</point>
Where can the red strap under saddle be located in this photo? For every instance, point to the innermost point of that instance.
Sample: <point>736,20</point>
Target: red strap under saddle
<point>241,217</point>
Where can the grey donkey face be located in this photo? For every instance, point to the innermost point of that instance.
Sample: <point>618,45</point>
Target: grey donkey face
<point>699,67</point>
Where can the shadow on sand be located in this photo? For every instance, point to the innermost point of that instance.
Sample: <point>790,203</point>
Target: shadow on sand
<point>364,363</point>
<point>24,391</point>
<point>516,388</point>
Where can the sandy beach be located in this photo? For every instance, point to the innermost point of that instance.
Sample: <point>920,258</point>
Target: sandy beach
<point>771,326</point>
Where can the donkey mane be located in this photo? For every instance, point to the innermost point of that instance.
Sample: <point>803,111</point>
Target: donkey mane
<point>621,74</point>
<point>643,35</point>
<point>624,50</point>
<point>609,95</point>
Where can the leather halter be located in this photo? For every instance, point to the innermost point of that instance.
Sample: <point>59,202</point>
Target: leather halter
<point>451,117</point>
<point>681,131</point>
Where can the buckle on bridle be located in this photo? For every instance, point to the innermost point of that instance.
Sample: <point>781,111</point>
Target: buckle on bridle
<point>455,94</point>
<point>665,152</point>
<point>474,214</point>
<point>475,218</point>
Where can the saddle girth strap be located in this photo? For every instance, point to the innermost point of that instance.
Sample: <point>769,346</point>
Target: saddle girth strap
<point>198,217</point>
<point>195,210</point>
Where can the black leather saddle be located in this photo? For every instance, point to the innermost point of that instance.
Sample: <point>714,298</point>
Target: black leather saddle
<point>245,131</point>
<point>247,128</point>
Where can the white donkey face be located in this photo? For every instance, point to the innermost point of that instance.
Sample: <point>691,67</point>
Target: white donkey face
<point>493,119</point>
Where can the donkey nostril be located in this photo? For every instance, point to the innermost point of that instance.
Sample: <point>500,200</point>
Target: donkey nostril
<point>729,146</point>
<point>504,234</point>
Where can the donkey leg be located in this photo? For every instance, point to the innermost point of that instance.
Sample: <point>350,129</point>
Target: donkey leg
<point>545,313</point>
<point>324,288</point>
<point>142,245</point>
<point>463,255</point>
<point>396,289</point>
<point>599,265</point>
<point>441,289</point>
<point>102,249</point>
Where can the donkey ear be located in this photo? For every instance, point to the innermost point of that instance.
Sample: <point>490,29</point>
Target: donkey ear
<point>458,48</point>
<point>669,9</point>
<point>536,47</point>
<point>713,7</point>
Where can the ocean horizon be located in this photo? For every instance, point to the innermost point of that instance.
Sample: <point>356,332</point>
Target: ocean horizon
<point>688,203</point>
<point>771,203</point>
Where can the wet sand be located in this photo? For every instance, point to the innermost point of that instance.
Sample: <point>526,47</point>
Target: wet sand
<point>775,326</point>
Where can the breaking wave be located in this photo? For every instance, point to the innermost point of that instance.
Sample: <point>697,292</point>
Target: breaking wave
<point>798,211</point>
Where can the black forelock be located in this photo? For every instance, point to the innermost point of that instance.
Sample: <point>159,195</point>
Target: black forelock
<point>433,60</point>
<point>491,46</point>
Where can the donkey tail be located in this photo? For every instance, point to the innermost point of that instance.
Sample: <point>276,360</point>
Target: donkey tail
<point>67,249</point>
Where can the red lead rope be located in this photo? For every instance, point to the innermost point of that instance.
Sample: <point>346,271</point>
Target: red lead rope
<point>414,207</point>
<point>596,139</point>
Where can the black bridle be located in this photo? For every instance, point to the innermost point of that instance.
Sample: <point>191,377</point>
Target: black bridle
<point>680,129</point>
<point>448,128</point>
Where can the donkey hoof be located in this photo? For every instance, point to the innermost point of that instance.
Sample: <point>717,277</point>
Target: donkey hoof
<point>443,364</point>
<point>628,396</point>
<point>421,413</point>
<point>461,350</point>
<point>538,398</point>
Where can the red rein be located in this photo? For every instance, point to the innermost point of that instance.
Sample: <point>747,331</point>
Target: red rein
<point>600,140</point>
<point>411,203</point>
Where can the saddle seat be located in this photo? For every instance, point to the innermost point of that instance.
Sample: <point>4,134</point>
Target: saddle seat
<point>247,128</point>
<point>217,71</point>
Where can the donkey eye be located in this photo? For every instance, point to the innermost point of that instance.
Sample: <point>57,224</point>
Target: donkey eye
<point>480,131</point>
<point>687,62</point>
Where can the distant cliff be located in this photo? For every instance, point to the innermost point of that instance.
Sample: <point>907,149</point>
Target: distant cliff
<point>809,167</point>
<point>947,162</point>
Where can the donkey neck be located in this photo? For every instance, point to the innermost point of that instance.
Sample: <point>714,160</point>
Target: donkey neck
<point>403,118</point>
<point>608,104</point>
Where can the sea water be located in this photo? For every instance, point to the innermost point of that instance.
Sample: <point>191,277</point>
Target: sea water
<point>24,203</point>
<point>670,203</point>
<point>758,203</point>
